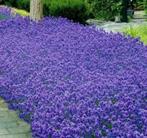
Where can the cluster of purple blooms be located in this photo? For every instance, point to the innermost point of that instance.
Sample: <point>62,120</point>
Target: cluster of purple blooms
<point>72,81</point>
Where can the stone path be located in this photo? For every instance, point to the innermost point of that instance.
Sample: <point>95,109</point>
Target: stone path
<point>138,19</point>
<point>10,124</point>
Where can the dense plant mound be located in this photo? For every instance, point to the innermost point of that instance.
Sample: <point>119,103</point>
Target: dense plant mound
<point>71,81</point>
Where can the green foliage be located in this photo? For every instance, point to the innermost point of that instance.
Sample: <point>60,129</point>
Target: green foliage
<point>106,9</point>
<point>79,10</point>
<point>138,31</point>
<point>139,4</point>
<point>76,10</point>
<point>145,6</point>
<point>9,2</point>
<point>23,4</point>
<point>46,7</point>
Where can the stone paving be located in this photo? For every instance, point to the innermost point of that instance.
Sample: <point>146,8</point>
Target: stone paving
<point>139,18</point>
<point>11,126</point>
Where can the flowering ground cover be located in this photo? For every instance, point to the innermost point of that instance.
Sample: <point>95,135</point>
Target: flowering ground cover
<point>5,13</point>
<point>72,81</point>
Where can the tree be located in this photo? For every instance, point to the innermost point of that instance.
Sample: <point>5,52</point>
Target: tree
<point>36,9</point>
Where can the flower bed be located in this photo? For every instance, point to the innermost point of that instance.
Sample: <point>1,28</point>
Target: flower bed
<point>71,81</point>
<point>5,13</point>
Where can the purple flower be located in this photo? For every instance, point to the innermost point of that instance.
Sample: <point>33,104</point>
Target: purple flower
<point>72,81</point>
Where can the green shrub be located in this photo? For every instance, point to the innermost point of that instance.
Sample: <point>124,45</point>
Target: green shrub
<point>46,7</point>
<point>139,4</point>
<point>9,2</point>
<point>145,6</point>
<point>76,10</point>
<point>138,31</point>
<point>105,9</point>
<point>23,4</point>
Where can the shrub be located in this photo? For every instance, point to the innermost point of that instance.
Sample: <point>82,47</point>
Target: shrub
<point>139,4</point>
<point>46,7</point>
<point>76,10</point>
<point>106,9</point>
<point>23,4</point>
<point>145,6</point>
<point>9,2</point>
<point>72,81</point>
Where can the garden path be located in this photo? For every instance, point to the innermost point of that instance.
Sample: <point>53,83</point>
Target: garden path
<point>138,19</point>
<point>10,124</point>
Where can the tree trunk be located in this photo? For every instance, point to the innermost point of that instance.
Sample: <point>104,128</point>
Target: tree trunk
<point>36,10</point>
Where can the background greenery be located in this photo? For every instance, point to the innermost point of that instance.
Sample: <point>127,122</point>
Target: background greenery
<point>79,10</point>
<point>76,10</point>
<point>145,6</point>
<point>105,9</point>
